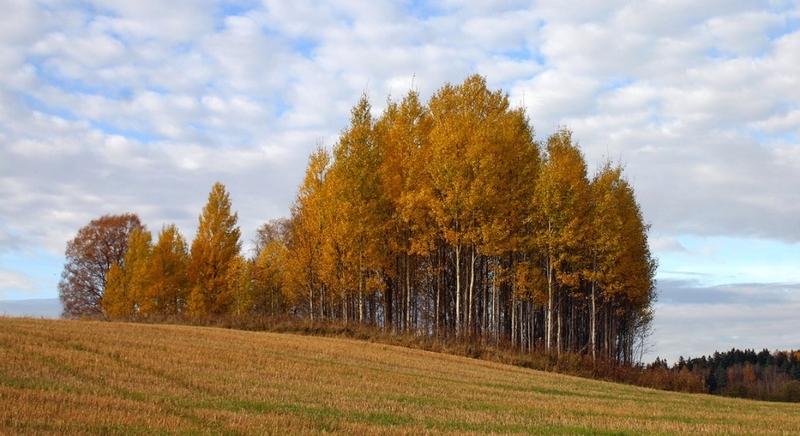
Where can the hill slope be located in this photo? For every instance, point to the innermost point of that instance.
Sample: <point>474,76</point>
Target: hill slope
<point>95,377</point>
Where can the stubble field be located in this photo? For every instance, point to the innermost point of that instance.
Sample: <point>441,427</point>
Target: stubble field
<point>80,377</point>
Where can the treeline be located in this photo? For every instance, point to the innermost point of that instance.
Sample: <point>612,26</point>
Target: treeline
<point>168,279</point>
<point>741,373</point>
<point>444,219</point>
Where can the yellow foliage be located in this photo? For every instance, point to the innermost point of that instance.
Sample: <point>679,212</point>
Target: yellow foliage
<point>127,284</point>
<point>214,249</point>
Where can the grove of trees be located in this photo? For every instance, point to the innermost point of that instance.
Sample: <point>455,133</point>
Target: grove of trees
<point>444,218</point>
<point>449,219</point>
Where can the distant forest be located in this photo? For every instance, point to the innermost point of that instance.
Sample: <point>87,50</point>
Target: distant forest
<point>739,373</point>
<point>444,220</point>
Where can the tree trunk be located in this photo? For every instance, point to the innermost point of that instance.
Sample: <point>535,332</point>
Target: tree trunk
<point>438,290</point>
<point>558,327</point>
<point>471,286</point>
<point>387,304</point>
<point>360,300</point>
<point>513,323</point>
<point>408,293</point>
<point>458,290</point>
<point>311,301</point>
<point>549,328</point>
<point>593,329</point>
<point>485,299</point>
<point>495,312</point>
<point>532,316</point>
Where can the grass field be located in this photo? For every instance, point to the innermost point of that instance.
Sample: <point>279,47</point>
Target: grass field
<point>98,377</point>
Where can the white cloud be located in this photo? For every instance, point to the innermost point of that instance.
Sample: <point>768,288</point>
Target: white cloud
<point>745,33</point>
<point>10,280</point>
<point>788,122</point>
<point>637,82</point>
<point>174,21</point>
<point>665,244</point>
<point>91,51</point>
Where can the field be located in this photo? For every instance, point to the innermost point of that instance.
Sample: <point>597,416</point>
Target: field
<point>97,377</point>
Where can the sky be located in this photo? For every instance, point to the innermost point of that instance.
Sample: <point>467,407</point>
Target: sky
<point>133,105</point>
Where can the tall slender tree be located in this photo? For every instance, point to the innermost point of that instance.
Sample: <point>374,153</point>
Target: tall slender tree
<point>563,207</point>
<point>307,235</point>
<point>269,268</point>
<point>401,136</point>
<point>168,289</point>
<point>269,271</point>
<point>125,297</point>
<point>354,183</point>
<point>214,249</point>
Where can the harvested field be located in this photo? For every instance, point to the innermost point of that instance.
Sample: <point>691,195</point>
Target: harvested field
<point>84,377</point>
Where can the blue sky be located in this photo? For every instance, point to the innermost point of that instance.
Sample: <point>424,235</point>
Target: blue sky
<point>721,259</point>
<point>125,105</point>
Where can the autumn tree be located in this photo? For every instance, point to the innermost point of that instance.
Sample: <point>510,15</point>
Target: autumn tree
<point>401,136</point>
<point>89,257</point>
<point>506,162</point>
<point>482,165</point>
<point>563,208</point>
<point>631,309</point>
<point>269,268</point>
<point>240,281</point>
<point>354,184</point>
<point>129,280</point>
<point>271,231</point>
<point>306,235</point>
<point>168,288</point>
<point>213,251</point>
<point>606,247</point>
<point>452,205</point>
<point>270,279</point>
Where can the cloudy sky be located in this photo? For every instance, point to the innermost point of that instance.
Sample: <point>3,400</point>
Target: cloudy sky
<point>132,105</point>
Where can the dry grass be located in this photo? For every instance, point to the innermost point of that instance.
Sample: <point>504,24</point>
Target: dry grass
<point>99,377</point>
